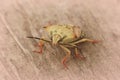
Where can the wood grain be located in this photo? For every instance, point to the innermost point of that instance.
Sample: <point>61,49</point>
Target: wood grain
<point>99,19</point>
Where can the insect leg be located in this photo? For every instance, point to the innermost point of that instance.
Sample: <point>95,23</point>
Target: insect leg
<point>68,52</point>
<point>80,56</point>
<point>40,44</point>
<point>85,40</point>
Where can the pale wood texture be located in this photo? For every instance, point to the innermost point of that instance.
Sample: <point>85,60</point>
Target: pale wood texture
<point>100,19</point>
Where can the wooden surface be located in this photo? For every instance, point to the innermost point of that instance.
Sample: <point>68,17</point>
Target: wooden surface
<point>100,19</point>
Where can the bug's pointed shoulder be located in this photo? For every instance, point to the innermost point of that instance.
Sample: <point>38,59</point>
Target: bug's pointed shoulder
<point>47,27</point>
<point>51,28</point>
<point>77,31</point>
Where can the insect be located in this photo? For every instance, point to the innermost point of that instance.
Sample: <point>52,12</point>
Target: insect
<point>66,36</point>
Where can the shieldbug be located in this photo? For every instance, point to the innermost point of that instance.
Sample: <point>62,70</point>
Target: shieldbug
<point>65,36</point>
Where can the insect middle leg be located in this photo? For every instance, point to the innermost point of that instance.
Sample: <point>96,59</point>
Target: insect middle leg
<point>68,52</point>
<point>79,55</point>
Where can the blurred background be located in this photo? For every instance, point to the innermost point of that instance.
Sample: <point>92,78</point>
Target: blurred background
<point>100,20</point>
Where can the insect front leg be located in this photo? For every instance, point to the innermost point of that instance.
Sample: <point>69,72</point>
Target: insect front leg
<point>40,45</point>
